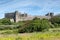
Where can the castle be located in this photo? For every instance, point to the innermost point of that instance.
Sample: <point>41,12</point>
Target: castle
<point>17,16</point>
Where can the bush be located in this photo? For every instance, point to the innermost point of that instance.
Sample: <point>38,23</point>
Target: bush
<point>55,21</point>
<point>5,21</point>
<point>35,25</point>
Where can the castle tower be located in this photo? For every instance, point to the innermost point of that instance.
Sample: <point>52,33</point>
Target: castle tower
<point>50,14</point>
<point>16,16</point>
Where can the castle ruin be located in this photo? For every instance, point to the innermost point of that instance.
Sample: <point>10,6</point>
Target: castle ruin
<point>17,16</point>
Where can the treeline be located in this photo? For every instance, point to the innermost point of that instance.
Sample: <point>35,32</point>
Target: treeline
<point>35,25</point>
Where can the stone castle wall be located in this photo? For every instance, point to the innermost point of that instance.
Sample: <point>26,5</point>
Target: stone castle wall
<point>17,16</point>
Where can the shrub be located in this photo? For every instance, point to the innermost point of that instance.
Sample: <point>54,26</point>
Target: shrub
<point>55,21</point>
<point>5,21</point>
<point>35,25</point>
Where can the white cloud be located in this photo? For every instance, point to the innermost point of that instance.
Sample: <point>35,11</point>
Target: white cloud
<point>45,5</point>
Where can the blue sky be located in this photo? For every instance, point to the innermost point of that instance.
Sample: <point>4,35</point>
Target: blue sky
<point>33,7</point>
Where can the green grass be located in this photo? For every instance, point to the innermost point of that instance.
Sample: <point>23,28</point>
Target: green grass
<point>32,36</point>
<point>14,31</point>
